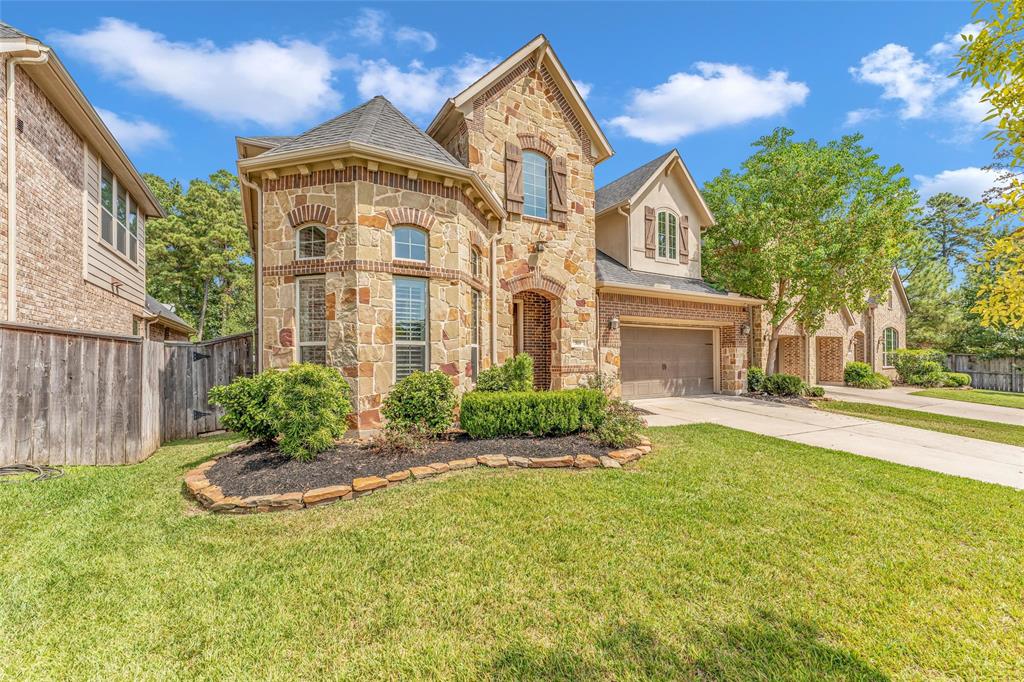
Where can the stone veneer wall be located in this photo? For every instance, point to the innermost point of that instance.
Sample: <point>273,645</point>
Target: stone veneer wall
<point>527,109</point>
<point>52,290</point>
<point>359,208</point>
<point>727,319</point>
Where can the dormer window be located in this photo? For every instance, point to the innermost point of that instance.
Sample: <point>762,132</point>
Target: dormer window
<point>410,244</point>
<point>535,185</point>
<point>668,236</point>
<point>311,242</point>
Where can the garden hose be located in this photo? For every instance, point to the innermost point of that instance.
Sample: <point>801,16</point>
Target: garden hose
<point>41,471</point>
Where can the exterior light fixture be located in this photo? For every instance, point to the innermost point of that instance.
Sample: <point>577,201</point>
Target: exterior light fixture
<point>744,329</point>
<point>613,323</point>
<point>540,246</point>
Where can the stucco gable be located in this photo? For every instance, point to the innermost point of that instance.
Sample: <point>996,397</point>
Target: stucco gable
<point>631,188</point>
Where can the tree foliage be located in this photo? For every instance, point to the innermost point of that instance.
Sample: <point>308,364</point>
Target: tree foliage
<point>810,228</point>
<point>953,224</point>
<point>198,257</point>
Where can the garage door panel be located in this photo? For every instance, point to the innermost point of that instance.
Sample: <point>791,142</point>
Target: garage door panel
<point>660,362</point>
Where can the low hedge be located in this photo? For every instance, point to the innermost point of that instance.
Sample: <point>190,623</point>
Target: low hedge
<point>918,367</point>
<point>874,380</point>
<point>540,413</point>
<point>783,384</point>
<point>956,380</point>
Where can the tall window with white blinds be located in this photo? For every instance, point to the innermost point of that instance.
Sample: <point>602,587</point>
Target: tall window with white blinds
<point>411,353</point>
<point>312,320</point>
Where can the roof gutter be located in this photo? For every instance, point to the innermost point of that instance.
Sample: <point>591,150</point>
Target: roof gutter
<point>42,56</point>
<point>722,299</point>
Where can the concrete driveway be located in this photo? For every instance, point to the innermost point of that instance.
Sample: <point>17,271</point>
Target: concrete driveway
<point>956,455</point>
<point>900,396</point>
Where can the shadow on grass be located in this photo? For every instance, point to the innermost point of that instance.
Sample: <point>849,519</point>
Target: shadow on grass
<point>766,647</point>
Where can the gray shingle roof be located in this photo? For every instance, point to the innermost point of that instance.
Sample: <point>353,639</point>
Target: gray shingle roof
<point>376,123</point>
<point>611,271</point>
<point>8,31</point>
<point>617,191</point>
<point>275,140</point>
<point>157,308</point>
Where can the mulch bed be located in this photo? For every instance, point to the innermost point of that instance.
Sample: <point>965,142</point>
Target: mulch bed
<point>797,401</point>
<point>262,470</point>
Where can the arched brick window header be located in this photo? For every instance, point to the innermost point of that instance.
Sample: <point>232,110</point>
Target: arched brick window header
<point>410,216</point>
<point>311,213</point>
<point>535,281</point>
<point>537,144</point>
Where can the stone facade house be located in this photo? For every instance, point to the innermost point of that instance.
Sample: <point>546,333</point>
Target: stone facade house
<point>846,336</point>
<point>73,208</point>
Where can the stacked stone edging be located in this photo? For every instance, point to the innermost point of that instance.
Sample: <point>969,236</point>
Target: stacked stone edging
<point>213,499</point>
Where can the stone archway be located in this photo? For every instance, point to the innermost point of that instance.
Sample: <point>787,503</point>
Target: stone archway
<point>536,302</point>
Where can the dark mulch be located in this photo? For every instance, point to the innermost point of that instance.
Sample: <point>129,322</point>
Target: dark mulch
<point>262,470</point>
<point>798,401</point>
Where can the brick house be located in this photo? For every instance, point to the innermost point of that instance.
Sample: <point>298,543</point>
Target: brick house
<point>846,336</point>
<point>73,208</point>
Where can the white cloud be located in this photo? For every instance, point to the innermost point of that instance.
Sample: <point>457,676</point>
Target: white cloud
<point>858,116</point>
<point>418,89</point>
<point>369,26</point>
<point>425,40</point>
<point>717,95</point>
<point>134,135</point>
<point>969,182</point>
<point>274,84</point>
<point>950,45</point>
<point>583,88</point>
<point>968,107</point>
<point>903,77</point>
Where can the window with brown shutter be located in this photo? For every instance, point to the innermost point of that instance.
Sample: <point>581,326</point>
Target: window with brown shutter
<point>558,199</point>
<point>684,239</point>
<point>650,238</point>
<point>513,178</point>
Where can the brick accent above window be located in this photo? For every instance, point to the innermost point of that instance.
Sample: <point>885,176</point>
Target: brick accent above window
<point>535,281</point>
<point>536,143</point>
<point>410,216</point>
<point>311,213</point>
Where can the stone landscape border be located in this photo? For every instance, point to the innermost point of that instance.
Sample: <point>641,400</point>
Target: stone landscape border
<point>213,499</point>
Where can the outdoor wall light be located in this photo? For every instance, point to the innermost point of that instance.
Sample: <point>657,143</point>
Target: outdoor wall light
<point>540,246</point>
<point>613,323</point>
<point>744,329</point>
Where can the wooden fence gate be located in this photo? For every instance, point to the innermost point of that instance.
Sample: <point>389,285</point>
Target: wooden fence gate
<point>190,370</point>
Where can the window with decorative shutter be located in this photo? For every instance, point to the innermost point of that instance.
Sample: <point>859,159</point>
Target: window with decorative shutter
<point>650,235</point>
<point>513,178</point>
<point>559,202</point>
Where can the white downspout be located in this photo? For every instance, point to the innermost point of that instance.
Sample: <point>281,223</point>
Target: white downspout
<point>12,182</point>
<point>494,294</point>
<point>258,267</point>
<point>624,212</point>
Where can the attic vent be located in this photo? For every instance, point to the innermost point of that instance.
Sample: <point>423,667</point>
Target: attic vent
<point>19,126</point>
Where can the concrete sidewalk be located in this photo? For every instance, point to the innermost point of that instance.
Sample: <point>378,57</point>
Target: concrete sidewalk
<point>900,396</point>
<point>948,454</point>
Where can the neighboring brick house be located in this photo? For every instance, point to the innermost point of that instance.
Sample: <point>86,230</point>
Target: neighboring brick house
<point>165,324</point>
<point>867,336</point>
<point>74,247</point>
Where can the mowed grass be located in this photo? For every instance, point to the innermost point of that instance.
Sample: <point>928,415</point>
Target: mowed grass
<point>976,395</point>
<point>723,555</point>
<point>996,432</point>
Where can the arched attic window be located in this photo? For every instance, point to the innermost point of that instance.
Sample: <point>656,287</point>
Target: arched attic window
<point>410,244</point>
<point>311,242</point>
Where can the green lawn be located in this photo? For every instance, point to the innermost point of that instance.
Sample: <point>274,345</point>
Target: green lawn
<point>976,395</point>
<point>996,432</point>
<point>724,555</point>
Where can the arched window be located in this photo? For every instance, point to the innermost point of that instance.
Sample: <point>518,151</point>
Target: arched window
<point>474,261</point>
<point>668,237</point>
<point>891,340</point>
<point>411,244</point>
<point>535,185</point>
<point>311,242</point>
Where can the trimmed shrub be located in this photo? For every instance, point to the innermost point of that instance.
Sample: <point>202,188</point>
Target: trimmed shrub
<point>873,380</point>
<point>755,379</point>
<point>814,391</point>
<point>956,379</point>
<point>855,372</point>
<point>309,409</point>
<point>516,374</point>
<point>424,400</point>
<point>783,384</point>
<point>929,374</point>
<point>488,414</point>
<point>911,364</point>
<point>621,426</point>
<point>246,403</point>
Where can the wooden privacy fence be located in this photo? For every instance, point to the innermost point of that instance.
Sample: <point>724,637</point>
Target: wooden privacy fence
<point>996,374</point>
<point>75,397</point>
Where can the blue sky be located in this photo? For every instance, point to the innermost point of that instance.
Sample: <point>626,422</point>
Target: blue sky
<point>177,81</point>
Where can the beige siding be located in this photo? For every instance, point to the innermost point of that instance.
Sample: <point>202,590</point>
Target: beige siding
<point>613,236</point>
<point>666,192</point>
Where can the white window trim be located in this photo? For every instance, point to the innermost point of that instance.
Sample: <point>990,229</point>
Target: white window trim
<point>394,244</point>
<point>885,353</point>
<point>547,186</point>
<point>425,343</point>
<point>475,309</point>
<point>298,234</point>
<point>657,256</point>
<point>140,244</point>
<point>299,343</point>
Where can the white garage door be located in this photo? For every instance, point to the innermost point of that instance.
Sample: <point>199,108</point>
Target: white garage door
<point>658,362</point>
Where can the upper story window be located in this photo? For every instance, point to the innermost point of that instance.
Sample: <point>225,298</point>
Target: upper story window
<point>119,216</point>
<point>668,236</point>
<point>311,243</point>
<point>535,185</point>
<point>891,341</point>
<point>411,244</point>
<point>474,261</point>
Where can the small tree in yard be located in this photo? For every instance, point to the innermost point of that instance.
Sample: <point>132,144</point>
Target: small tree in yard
<point>809,228</point>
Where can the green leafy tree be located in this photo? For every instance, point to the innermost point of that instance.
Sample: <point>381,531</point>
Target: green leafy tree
<point>810,228</point>
<point>954,225</point>
<point>198,257</point>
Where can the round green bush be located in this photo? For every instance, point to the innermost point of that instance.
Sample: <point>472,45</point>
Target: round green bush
<point>755,379</point>
<point>310,409</point>
<point>423,400</point>
<point>516,374</point>
<point>956,380</point>
<point>929,373</point>
<point>913,365</point>
<point>856,371</point>
<point>621,426</point>
<point>814,391</point>
<point>246,403</point>
<point>875,380</point>
<point>783,384</point>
